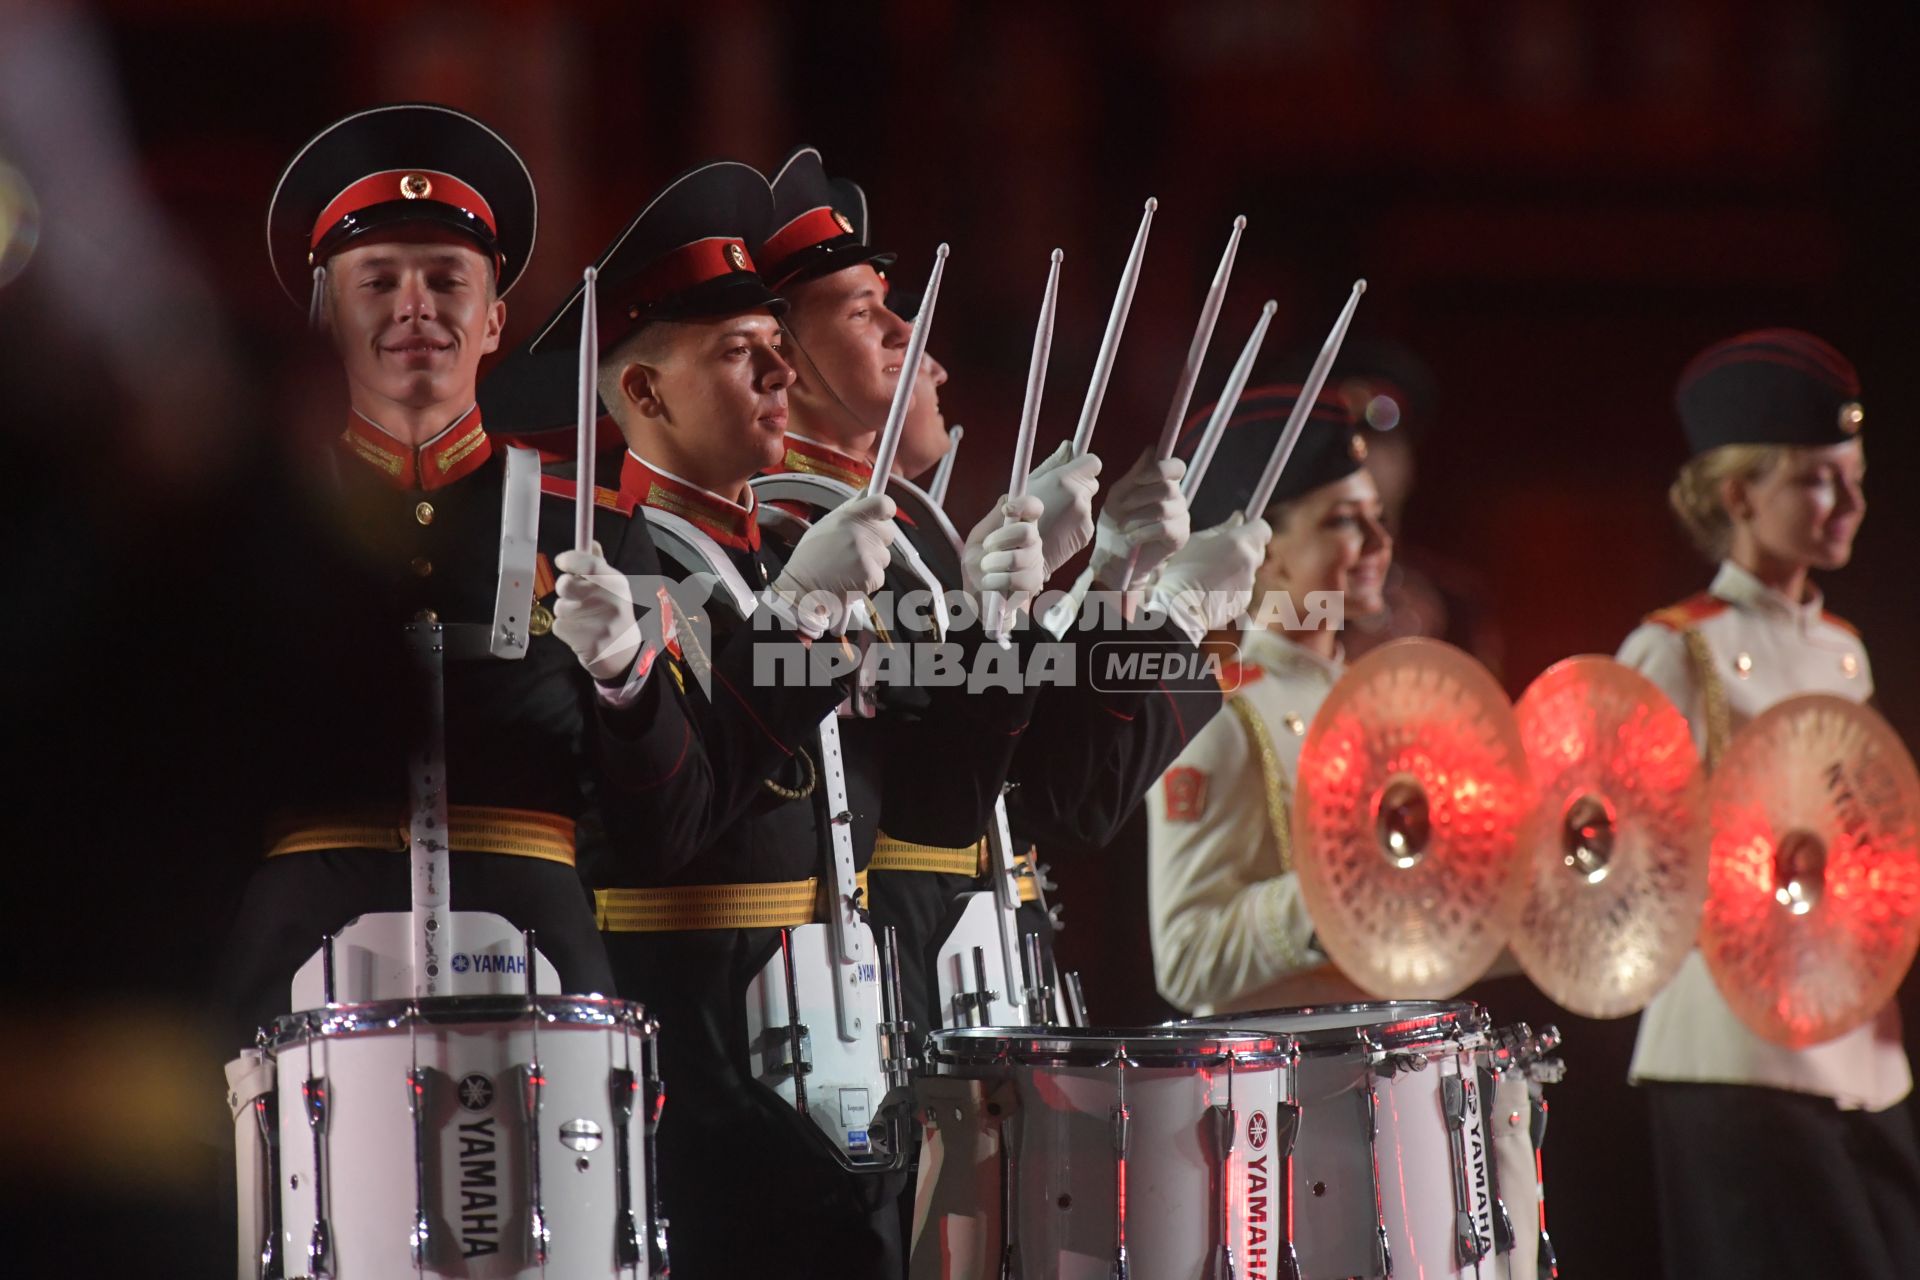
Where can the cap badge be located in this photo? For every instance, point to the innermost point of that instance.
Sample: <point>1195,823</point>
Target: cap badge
<point>845,223</point>
<point>1851,416</point>
<point>415,186</point>
<point>736,255</point>
<point>1358,447</point>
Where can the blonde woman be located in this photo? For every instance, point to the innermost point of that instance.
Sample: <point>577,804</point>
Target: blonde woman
<point>1229,929</point>
<point>1769,1161</point>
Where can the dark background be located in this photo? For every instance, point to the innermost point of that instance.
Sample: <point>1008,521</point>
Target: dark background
<point>1556,202</point>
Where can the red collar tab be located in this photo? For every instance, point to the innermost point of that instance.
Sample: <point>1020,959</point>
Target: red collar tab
<point>815,226</point>
<point>810,457</point>
<point>687,267</point>
<point>402,184</point>
<point>457,452</point>
<point>727,523</point>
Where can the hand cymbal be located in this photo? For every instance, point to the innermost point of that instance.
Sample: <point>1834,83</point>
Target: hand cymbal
<point>1813,903</point>
<point>1407,817</point>
<point>1617,859</point>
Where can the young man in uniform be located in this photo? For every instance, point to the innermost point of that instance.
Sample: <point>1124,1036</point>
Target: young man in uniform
<point>693,370</point>
<point>1094,746</point>
<point>401,229</point>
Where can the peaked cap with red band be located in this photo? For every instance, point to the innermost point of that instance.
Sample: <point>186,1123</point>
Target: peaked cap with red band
<point>408,163</point>
<point>1771,386</point>
<point>685,257</point>
<point>1330,448</point>
<point>819,224</point>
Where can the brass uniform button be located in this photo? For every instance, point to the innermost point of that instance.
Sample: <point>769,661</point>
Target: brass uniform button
<point>1743,664</point>
<point>422,566</point>
<point>1849,665</point>
<point>424,513</point>
<point>1295,725</point>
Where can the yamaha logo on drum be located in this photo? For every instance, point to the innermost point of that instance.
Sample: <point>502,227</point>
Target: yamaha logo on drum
<point>1257,1130</point>
<point>460,963</point>
<point>476,1092</point>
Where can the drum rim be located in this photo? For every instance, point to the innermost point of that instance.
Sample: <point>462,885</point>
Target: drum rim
<point>1449,1022</point>
<point>1162,1046</point>
<point>377,1016</point>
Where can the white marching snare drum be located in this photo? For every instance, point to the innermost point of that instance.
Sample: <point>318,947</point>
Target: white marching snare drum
<point>1391,1170</point>
<point>1158,1153</point>
<point>471,1136</point>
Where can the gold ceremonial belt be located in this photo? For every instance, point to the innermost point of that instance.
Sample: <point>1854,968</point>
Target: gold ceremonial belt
<point>471,828</point>
<point>890,854</point>
<point>780,904</point>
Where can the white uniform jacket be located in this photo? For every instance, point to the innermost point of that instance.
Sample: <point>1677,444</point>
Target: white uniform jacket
<point>1230,931</point>
<point>1761,648</point>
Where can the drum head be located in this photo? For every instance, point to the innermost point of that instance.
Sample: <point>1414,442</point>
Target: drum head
<point>1105,1046</point>
<point>1392,1024</point>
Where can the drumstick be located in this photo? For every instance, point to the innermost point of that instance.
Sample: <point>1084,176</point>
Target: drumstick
<point>1229,401</point>
<point>1110,343</point>
<point>943,474</point>
<point>1309,392</point>
<point>1190,371</point>
<point>889,442</point>
<point>589,405</point>
<point>1202,336</point>
<point>996,619</point>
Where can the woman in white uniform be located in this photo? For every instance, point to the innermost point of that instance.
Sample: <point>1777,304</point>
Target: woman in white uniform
<point>1769,1161</point>
<point>1230,931</point>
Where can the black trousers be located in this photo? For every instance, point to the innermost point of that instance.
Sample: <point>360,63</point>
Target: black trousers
<point>1754,1183</point>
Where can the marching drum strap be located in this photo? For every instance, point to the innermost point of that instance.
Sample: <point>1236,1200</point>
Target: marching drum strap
<point>785,904</point>
<point>1279,790</point>
<point>471,828</point>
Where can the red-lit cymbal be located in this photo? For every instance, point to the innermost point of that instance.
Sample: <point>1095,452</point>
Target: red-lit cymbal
<point>1411,797</point>
<point>1617,858</point>
<point>1813,902</point>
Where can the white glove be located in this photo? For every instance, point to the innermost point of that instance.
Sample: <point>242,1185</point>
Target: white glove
<point>1004,553</point>
<point>1144,520</point>
<point>1065,486</point>
<point>841,558</point>
<point>594,614</point>
<point>1209,582</point>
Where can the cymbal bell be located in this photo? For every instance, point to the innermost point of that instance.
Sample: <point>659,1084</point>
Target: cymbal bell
<point>1813,902</point>
<point>1411,797</point>
<point>1616,865</point>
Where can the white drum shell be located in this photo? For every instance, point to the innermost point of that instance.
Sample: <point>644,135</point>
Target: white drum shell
<point>476,1165</point>
<point>1061,1135</point>
<point>1342,1213</point>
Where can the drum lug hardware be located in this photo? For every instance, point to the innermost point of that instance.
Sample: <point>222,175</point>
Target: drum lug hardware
<point>1225,1123</point>
<point>266,1109</point>
<point>1468,1246</point>
<point>621,1086</point>
<point>420,1238</point>
<point>320,1244</point>
<point>540,1236</point>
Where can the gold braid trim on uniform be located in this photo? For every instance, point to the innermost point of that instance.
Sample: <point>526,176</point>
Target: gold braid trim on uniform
<point>785,904</point>
<point>1279,790</point>
<point>1713,694</point>
<point>800,792</point>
